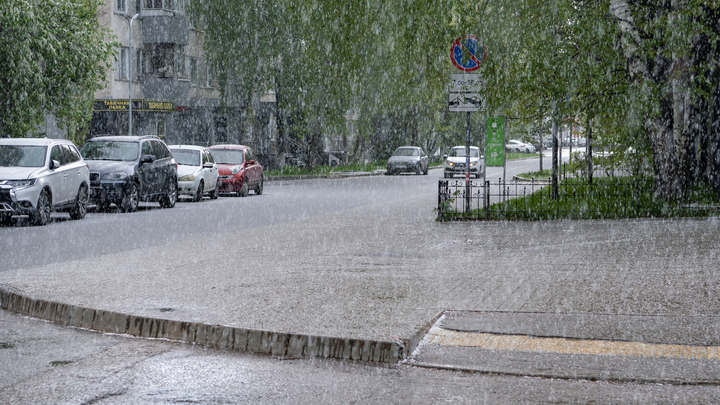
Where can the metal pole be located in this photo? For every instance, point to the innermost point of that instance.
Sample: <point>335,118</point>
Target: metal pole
<point>130,76</point>
<point>467,162</point>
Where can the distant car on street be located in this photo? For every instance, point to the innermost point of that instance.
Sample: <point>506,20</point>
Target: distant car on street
<point>125,170</point>
<point>39,176</point>
<point>455,162</point>
<point>515,146</point>
<point>408,159</point>
<point>239,170</point>
<point>197,171</point>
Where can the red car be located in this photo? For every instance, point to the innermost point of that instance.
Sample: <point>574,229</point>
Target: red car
<point>239,170</point>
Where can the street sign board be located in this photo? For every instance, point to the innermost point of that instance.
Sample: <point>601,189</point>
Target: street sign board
<point>495,141</point>
<point>466,83</point>
<point>465,102</point>
<point>466,53</point>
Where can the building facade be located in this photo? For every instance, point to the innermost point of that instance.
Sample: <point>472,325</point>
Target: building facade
<point>165,74</point>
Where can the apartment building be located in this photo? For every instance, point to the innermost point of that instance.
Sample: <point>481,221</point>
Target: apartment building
<point>165,74</point>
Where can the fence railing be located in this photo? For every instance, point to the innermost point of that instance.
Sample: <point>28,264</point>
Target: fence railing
<point>526,199</point>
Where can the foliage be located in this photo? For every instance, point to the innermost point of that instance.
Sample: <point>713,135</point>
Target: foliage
<point>642,74</point>
<point>54,58</point>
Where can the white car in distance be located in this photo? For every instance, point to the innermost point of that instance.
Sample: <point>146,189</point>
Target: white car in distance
<point>455,162</point>
<point>515,146</point>
<point>197,172</point>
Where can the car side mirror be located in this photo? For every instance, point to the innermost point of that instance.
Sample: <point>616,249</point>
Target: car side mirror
<point>251,162</point>
<point>208,165</point>
<point>147,159</point>
<point>54,164</point>
<point>444,156</point>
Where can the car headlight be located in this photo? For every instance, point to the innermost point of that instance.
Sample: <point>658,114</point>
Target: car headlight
<point>449,163</point>
<point>189,177</point>
<point>19,184</point>
<point>235,170</point>
<point>115,176</point>
<point>472,164</point>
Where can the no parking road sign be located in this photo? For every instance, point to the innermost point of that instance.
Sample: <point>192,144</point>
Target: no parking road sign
<point>466,53</point>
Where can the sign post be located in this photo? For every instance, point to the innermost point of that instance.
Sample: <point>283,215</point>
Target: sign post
<point>466,54</point>
<point>495,142</point>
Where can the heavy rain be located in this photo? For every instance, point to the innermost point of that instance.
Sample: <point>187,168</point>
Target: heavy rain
<point>253,201</point>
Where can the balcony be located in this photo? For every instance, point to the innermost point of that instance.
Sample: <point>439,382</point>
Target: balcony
<point>164,27</point>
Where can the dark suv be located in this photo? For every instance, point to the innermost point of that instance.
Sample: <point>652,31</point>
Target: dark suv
<point>125,170</point>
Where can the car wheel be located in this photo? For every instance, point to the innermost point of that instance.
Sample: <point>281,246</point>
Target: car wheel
<point>170,197</point>
<point>425,172</point>
<point>80,209</point>
<point>200,191</point>
<point>259,188</point>
<point>42,212</point>
<point>130,199</point>
<point>451,175</point>
<point>215,193</point>
<point>515,151</point>
<point>244,189</point>
<point>418,169</point>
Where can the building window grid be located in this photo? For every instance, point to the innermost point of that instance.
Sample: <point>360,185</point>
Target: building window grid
<point>173,5</point>
<point>120,6</point>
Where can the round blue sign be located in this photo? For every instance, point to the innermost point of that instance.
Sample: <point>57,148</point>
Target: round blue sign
<point>466,53</point>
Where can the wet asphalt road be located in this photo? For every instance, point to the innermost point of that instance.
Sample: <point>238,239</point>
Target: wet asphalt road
<point>45,363</point>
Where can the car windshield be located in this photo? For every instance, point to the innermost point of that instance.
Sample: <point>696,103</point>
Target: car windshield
<point>227,156</point>
<point>22,156</point>
<point>186,157</point>
<point>110,150</point>
<point>460,152</point>
<point>406,152</point>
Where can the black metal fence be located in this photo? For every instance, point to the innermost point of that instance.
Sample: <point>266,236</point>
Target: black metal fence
<point>528,199</point>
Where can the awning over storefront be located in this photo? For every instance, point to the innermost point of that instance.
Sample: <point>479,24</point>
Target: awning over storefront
<point>138,105</point>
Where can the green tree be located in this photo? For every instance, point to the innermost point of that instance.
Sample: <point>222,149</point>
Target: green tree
<point>54,57</point>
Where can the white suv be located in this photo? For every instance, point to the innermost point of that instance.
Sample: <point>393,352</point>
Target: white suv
<point>38,176</point>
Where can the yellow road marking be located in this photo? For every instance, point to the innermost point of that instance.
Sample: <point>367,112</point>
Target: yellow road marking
<point>522,343</point>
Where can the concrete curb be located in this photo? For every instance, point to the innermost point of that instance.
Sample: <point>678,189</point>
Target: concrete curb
<point>277,344</point>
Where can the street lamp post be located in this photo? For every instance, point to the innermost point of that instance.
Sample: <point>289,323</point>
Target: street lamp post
<point>130,63</point>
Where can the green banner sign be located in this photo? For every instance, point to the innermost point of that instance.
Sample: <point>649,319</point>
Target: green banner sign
<point>495,141</point>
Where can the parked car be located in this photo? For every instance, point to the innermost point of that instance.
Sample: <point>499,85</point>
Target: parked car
<point>125,170</point>
<point>239,170</point>
<point>408,159</point>
<point>515,146</point>
<point>197,171</point>
<point>455,162</point>
<point>39,176</point>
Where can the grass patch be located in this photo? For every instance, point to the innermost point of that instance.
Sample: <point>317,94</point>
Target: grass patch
<point>327,170</point>
<point>607,197</point>
<point>60,362</point>
<point>5,345</point>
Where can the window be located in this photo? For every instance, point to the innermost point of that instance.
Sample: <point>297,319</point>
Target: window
<point>207,75</point>
<point>123,64</point>
<point>180,61</point>
<point>120,6</point>
<point>138,69</point>
<point>193,71</point>
<point>56,153</point>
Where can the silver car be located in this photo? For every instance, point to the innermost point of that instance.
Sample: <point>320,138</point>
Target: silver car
<point>408,159</point>
<point>38,176</point>
<point>197,171</point>
<point>455,162</point>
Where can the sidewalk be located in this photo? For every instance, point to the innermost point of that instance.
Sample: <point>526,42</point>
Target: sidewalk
<point>367,284</point>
